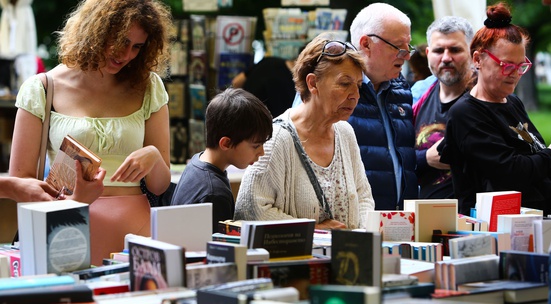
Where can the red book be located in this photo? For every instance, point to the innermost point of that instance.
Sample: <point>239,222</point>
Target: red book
<point>15,260</point>
<point>491,204</point>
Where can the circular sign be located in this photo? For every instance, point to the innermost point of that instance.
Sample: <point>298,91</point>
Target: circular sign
<point>233,33</point>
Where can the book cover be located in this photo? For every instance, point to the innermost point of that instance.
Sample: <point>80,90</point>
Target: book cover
<point>220,237</point>
<point>188,226</point>
<point>201,275</point>
<point>197,139</point>
<point>444,239</point>
<point>223,252</point>
<point>491,204</point>
<point>356,258</point>
<point>524,266</point>
<point>198,68</point>
<point>231,64</point>
<point>176,99</point>
<point>521,229</point>
<point>178,141</point>
<point>230,227</point>
<point>326,294</point>
<point>54,237</point>
<point>503,239</point>
<point>473,245</point>
<point>293,273</point>
<point>156,265</point>
<point>276,295</point>
<point>392,225</point>
<point>419,290</point>
<point>99,271</point>
<point>432,215</point>
<point>14,260</point>
<point>198,99</point>
<point>62,174</point>
<point>282,238</point>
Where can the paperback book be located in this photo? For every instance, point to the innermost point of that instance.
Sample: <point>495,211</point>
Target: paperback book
<point>63,174</point>
<point>491,204</point>
<point>392,225</point>
<point>432,214</point>
<point>156,264</point>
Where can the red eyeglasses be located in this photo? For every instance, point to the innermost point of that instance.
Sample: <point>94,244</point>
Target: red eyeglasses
<point>508,68</point>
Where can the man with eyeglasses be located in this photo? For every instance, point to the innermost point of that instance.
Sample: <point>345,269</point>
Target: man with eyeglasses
<point>448,40</point>
<point>382,120</point>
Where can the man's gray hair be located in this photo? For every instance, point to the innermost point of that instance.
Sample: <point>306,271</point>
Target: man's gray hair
<point>371,19</point>
<point>451,24</point>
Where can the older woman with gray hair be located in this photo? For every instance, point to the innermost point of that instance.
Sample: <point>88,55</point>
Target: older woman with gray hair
<point>312,166</point>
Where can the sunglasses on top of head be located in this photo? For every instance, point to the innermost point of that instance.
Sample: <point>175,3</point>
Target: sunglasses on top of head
<point>335,48</point>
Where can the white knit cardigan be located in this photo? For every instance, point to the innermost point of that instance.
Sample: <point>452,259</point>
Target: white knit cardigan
<point>277,185</point>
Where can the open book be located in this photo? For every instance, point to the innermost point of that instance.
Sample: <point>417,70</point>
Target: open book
<point>62,174</point>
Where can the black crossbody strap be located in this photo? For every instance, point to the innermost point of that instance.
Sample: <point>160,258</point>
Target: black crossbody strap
<point>309,171</point>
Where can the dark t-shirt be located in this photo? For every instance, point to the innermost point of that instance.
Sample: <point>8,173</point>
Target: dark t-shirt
<point>430,127</point>
<point>202,182</point>
<point>272,82</point>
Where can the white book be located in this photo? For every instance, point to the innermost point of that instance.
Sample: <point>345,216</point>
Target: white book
<point>472,245</point>
<point>54,237</point>
<point>491,204</point>
<point>393,225</point>
<point>542,235</point>
<point>521,228</point>
<point>189,226</point>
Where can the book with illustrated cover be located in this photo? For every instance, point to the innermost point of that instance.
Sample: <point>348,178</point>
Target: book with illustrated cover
<point>223,252</point>
<point>54,237</point>
<point>176,99</point>
<point>524,266</point>
<point>202,275</point>
<point>344,294</point>
<point>521,229</point>
<point>491,204</point>
<point>62,174</point>
<point>356,258</point>
<point>392,225</point>
<point>155,264</point>
<point>503,239</point>
<point>472,245</point>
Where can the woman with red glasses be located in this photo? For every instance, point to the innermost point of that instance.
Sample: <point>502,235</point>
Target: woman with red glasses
<point>491,144</point>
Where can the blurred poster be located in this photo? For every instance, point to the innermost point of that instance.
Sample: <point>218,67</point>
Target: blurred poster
<point>200,5</point>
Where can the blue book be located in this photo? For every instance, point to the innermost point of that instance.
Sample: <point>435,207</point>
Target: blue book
<point>36,281</point>
<point>524,266</point>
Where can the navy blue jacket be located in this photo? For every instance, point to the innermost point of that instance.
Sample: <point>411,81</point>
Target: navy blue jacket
<point>368,123</point>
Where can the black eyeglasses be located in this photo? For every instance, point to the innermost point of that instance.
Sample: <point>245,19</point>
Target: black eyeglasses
<point>402,54</point>
<point>508,68</point>
<point>335,48</point>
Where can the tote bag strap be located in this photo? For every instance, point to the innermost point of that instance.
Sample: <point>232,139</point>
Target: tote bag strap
<point>45,126</point>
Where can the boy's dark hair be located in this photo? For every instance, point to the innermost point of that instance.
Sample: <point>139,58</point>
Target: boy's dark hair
<point>239,115</point>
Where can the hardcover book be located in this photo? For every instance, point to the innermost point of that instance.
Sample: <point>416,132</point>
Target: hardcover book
<point>63,174</point>
<point>223,252</point>
<point>356,258</point>
<point>491,204</point>
<point>282,238</point>
<point>392,225</point>
<point>188,226</point>
<point>156,264</point>
<point>432,215</point>
<point>521,229</point>
<point>54,237</point>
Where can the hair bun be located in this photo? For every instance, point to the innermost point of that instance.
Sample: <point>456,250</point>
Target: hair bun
<point>497,23</point>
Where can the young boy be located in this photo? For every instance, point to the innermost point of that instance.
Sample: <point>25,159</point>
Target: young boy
<point>237,126</point>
